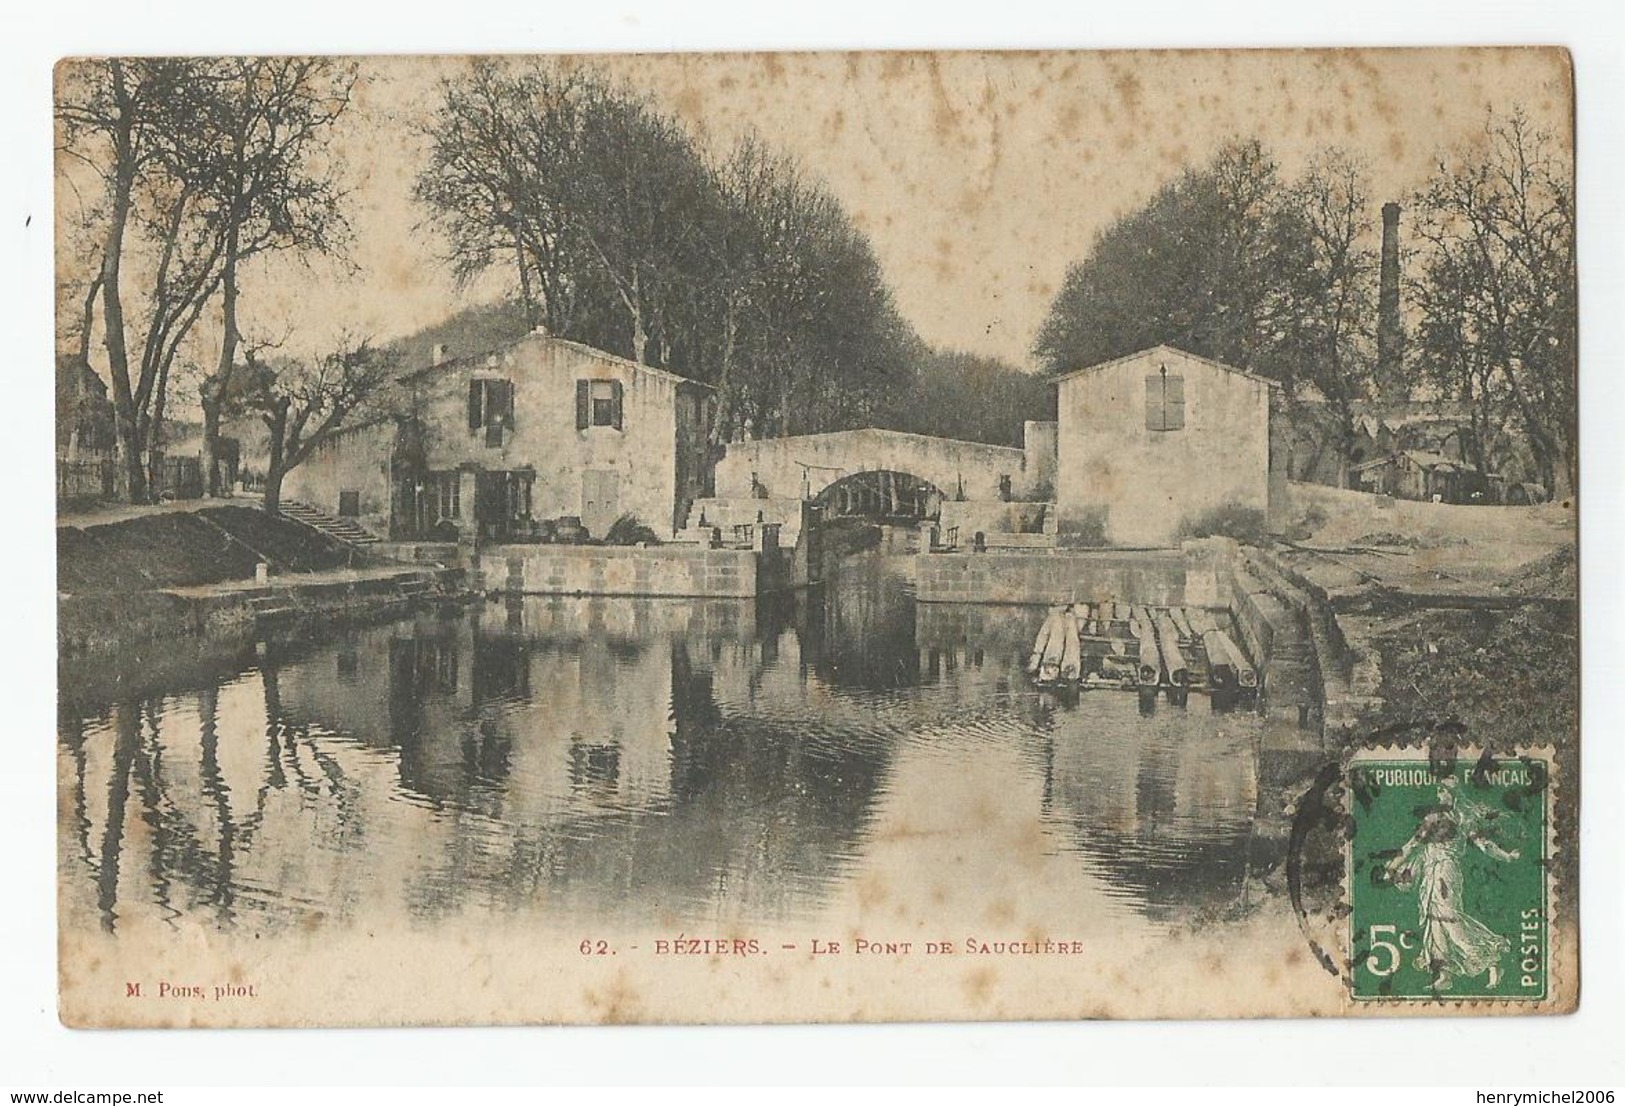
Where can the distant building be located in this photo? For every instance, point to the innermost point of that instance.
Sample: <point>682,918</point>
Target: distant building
<point>1393,443</point>
<point>1418,474</point>
<point>508,443</point>
<point>1151,441</point>
<point>84,414</point>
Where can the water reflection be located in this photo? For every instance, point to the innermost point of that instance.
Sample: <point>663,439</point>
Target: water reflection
<point>1166,818</point>
<point>666,762</point>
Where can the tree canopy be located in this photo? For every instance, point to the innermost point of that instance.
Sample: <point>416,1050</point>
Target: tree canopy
<point>1196,267</point>
<point>1232,261</point>
<point>1497,296</point>
<point>204,164</point>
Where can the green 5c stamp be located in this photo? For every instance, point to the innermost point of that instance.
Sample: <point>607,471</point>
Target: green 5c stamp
<point>1448,877</point>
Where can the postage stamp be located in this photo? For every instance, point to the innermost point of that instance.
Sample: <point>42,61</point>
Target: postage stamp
<point>1449,876</point>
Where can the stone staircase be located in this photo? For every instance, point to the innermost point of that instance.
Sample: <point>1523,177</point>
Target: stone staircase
<point>346,530</point>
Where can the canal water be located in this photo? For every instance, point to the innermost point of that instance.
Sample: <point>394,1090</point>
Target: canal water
<point>582,762</point>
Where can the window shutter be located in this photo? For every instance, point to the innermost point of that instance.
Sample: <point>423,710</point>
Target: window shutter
<point>1173,413</point>
<point>1164,402</point>
<point>583,405</point>
<point>620,395</point>
<point>507,404</point>
<point>474,393</point>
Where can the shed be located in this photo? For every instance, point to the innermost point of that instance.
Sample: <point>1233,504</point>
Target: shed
<point>1151,442</point>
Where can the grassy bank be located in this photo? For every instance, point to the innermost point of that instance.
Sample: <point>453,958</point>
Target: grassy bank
<point>143,580</point>
<point>188,548</point>
<point>1462,622</point>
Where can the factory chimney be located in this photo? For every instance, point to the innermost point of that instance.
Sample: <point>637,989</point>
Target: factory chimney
<point>1390,331</point>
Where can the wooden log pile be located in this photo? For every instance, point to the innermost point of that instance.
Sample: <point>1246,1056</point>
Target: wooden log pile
<point>1138,647</point>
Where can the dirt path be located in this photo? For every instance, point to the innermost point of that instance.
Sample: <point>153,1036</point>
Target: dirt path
<point>121,512</point>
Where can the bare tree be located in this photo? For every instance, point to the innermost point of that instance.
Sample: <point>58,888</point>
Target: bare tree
<point>260,160</point>
<point>1327,307</point>
<point>120,118</point>
<point>305,403</point>
<point>204,164</point>
<point>503,144</point>
<point>1497,292</point>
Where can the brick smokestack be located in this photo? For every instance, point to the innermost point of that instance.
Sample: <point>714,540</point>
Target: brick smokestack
<point>1390,331</point>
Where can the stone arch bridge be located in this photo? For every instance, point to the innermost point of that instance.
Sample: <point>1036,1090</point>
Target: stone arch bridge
<point>803,466</point>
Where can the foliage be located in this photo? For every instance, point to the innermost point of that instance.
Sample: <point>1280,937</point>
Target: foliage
<point>1326,308</point>
<point>1197,267</point>
<point>474,329</point>
<point>973,398</point>
<point>1228,520</point>
<point>1497,294</point>
<point>258,156</point>
<point>123,120</point>
<point>1232,262</point>
<point>630,530</point>
<point>304,403</point>
<point>624,233</point>
<point>203,163</point>
<point>1306,524</point>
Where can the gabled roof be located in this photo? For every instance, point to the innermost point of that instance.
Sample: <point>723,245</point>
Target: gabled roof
<point>1423,459</point>
<point>477,360</point>
<point>1165,351</point>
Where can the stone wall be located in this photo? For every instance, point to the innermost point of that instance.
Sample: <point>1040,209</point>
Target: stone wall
<point>419,552</point>
<point>1198,573</point>
<point>354,461</point>
<point>1057,576</point>
<point>997,518</point>
<point>619,570</point>
<point>809,463</point>
<point>726,514</point>
<point>1039,444</point>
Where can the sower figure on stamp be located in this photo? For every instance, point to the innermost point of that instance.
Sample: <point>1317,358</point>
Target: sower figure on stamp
<point>1453,942</point>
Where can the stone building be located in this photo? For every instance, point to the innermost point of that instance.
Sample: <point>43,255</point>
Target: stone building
<point>1148,443</point>
<point>538,434</point>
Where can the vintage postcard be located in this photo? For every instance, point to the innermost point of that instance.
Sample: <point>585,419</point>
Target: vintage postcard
<point>816,537</point>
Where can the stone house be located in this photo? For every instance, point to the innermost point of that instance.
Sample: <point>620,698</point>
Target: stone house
<point>506,444</point>
<point>1149,442</point>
